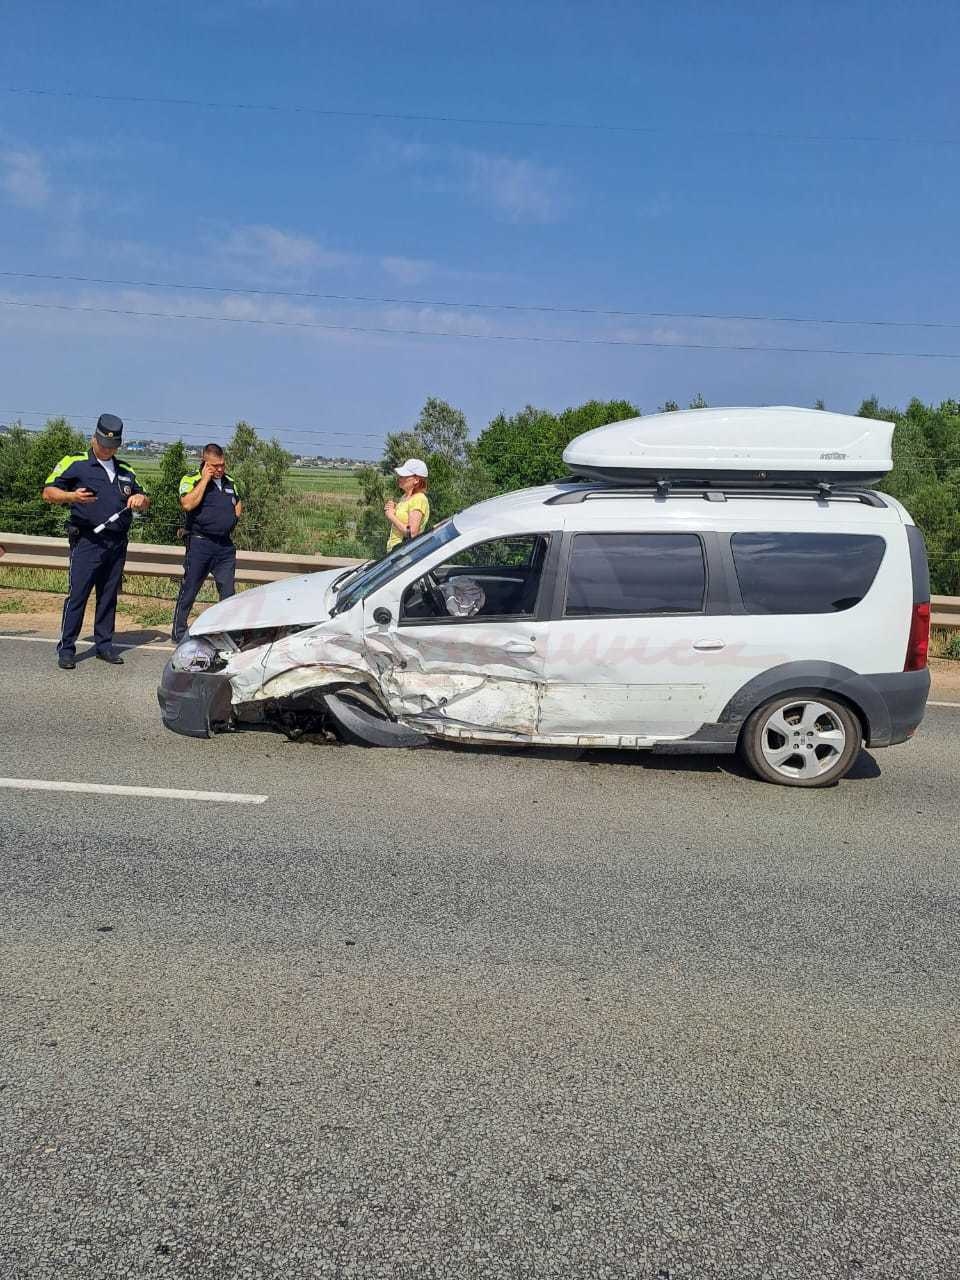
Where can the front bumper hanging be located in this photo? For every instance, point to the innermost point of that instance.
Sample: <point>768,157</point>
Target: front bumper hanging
<point>195,703</point>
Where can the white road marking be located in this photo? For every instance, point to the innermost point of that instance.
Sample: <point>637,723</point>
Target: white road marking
<point>944,704</point>
<point>107,789</point>
<point>149,646</point>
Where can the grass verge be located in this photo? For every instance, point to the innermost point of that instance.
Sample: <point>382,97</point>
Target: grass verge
<point>945,643</point>
<point>16,604</point>
<point>134,584</point>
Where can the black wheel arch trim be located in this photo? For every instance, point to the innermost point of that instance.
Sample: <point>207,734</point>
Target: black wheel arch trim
<point>815,677</point>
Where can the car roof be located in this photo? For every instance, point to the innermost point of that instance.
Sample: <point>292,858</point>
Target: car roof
<point>551,506</point>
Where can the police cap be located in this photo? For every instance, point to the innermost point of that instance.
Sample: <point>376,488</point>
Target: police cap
<point>109,431</point>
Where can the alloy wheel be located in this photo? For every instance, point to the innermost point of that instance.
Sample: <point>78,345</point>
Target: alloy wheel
<point>802,739</point>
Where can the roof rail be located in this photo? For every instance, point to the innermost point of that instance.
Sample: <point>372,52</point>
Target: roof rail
<point>664,489</point>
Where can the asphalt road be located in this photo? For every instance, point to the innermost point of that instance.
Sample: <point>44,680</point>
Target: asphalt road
<point>464,1013</point>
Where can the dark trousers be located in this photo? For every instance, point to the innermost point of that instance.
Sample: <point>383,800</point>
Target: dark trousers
<point>94,564</point>
<point>203,557</point>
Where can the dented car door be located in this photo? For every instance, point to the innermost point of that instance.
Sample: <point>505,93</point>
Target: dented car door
<point>476,674</point>
<point>454,680</point>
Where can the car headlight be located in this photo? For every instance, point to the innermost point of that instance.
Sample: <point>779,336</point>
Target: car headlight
<point>196,655</point>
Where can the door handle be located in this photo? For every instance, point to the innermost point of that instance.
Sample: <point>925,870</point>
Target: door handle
<point>708,644</point>
<point>520,646</point>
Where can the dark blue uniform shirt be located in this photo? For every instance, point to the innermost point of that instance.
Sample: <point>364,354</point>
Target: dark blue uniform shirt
<point>216,515</point>
<point>84,471</point>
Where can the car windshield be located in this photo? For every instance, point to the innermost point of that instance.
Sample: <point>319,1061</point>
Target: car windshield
<point>401,557</point>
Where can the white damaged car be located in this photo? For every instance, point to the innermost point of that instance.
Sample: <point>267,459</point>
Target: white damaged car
<point>710,581</point>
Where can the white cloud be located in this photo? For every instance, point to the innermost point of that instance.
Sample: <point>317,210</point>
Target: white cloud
<point>408,270</point>
<point>519,189</point>
<point>265,250</point>
<point>269,254</point>
<point>514,188</point>
<point>24,179</point>
<point>442,320</point>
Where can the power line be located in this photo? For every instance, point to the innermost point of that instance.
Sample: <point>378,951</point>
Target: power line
<point>480,337</point>
<point>311,433</point>
<point>477,306</point>
<point>582,126</point>
<point>211,426</point>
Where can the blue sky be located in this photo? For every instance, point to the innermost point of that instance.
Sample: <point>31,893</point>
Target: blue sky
<point>728,200</point>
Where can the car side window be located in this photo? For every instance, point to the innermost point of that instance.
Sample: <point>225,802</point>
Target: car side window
<point>499,578</point>
<point>622,574</point>
<point>805,572</point>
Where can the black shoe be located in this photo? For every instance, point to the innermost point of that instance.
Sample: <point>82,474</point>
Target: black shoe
<point>113,658</point>
<point>65,663</point>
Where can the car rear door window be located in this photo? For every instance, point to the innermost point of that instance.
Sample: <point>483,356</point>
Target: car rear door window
<point>619,574</point>
<point>805,572</point>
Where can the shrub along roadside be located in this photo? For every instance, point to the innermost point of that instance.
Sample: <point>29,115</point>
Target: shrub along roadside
<point>26,459</point>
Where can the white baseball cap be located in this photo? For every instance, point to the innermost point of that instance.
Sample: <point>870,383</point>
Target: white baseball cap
<point>412,467</point>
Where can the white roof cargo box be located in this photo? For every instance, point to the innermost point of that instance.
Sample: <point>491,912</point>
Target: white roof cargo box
<point>750,445</point>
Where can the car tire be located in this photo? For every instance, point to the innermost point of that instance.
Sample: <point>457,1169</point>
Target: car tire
<point>801,739</point>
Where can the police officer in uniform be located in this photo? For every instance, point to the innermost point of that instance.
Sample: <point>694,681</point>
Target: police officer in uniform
<point>102,493</point>
<point>211,500</point>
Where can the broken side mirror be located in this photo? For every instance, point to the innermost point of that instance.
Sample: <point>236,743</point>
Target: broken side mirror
<point>382,616</point>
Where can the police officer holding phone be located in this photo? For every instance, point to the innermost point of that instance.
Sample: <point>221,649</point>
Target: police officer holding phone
<point>211,500</point>
<point>102,493</point>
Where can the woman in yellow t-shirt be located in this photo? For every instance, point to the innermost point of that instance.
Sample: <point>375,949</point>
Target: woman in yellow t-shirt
<point>410,515</point>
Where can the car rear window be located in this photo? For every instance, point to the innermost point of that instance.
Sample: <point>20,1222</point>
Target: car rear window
<point>617,574</point>
<point>805,572</point>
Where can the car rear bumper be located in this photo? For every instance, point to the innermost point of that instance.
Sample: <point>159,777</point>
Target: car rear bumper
<point>904,695</point>
<point>195,704</point>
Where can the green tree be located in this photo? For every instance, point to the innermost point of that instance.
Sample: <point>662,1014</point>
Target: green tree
<point>165,516</point>
<point>527,448</point>
<point>26,459</point>
<point>698,402</point>
<point>870,408</point>
<point>372,523</point>
<point>440,432</point>
<point>668,406</point>
<point>926,479</point>
<point>261,467</point>
<point>521,449</point>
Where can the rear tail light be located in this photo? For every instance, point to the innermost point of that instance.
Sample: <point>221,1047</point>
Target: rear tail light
<point>919,642</point>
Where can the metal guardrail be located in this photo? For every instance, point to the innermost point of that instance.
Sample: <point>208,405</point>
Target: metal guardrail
<point>152,558</point>
<point>155,559</point>
<point>944,611</point>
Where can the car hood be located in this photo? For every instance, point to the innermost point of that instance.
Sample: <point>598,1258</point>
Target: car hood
<point>288,603</point>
